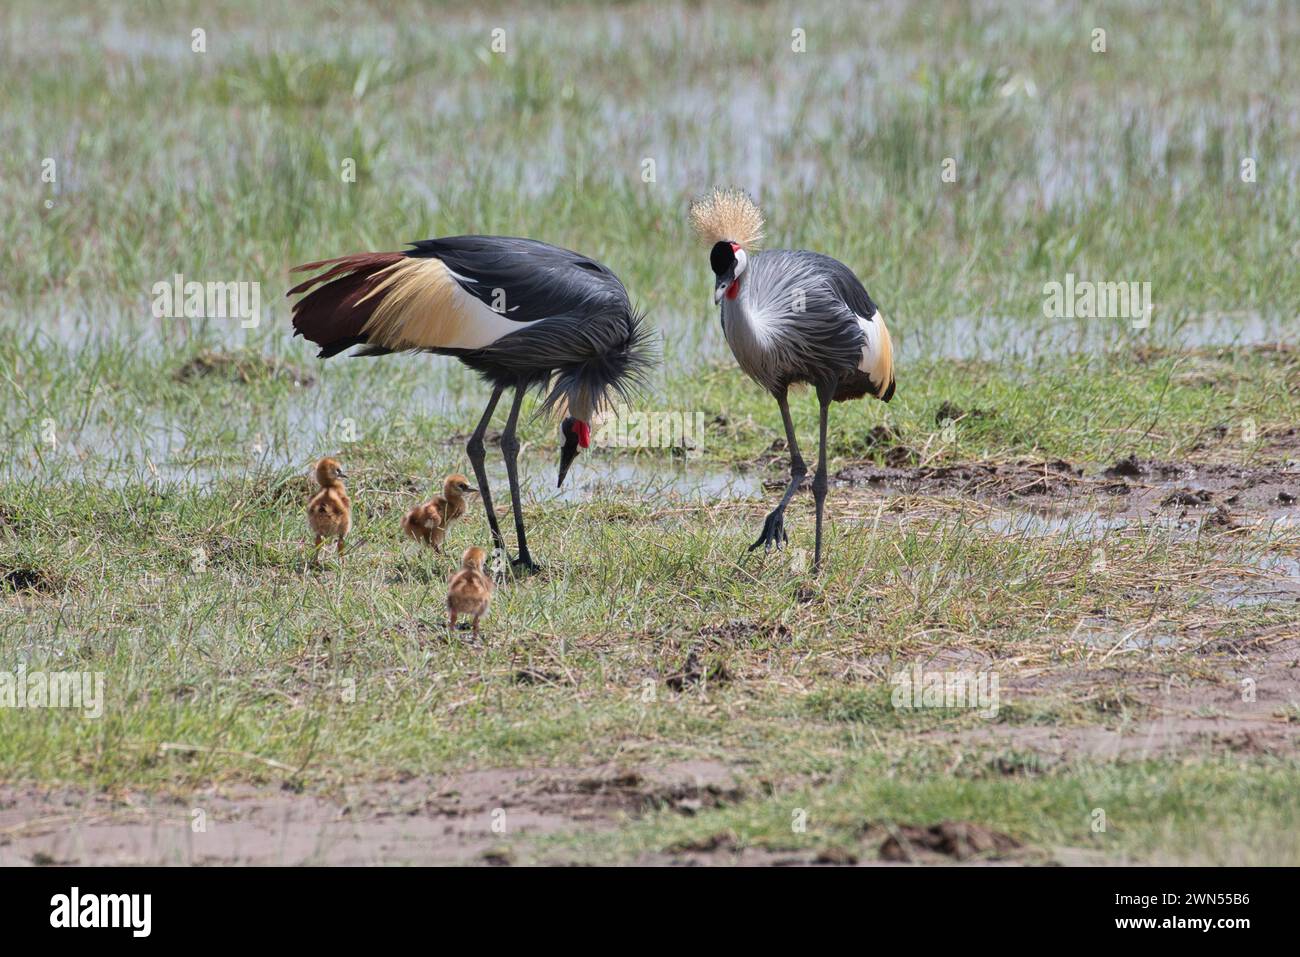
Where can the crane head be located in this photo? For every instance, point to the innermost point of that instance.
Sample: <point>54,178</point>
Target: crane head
<point>729,261</point>
<point>576,435</point>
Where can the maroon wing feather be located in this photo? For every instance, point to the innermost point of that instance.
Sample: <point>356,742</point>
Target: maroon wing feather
<point>333,315</point>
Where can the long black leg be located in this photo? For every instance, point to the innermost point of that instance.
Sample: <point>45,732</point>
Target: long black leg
<point>510,448</point>
<point>820,481</point>
<point>774,525</point>
<point>474,449</point>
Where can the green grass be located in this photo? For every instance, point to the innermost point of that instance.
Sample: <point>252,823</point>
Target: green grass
<point>346,672</point>
<point>163,524</point>
<point>1205,813</point>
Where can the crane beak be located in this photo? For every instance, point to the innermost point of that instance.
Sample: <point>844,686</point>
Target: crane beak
<point>724,283</point>
<point>568,452</point>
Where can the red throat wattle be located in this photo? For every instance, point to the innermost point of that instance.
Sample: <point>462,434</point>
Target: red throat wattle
<point>584,433</point>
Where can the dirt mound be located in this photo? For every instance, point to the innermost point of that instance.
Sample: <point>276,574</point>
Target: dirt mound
<point>694,672</point>
<point>24,579</point>
<point>1009,480</point>
<point>685,787</point>
<point>955,840</point>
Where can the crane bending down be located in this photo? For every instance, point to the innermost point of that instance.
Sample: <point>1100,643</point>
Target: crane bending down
<point>519,312</point>
<point>792,316</point>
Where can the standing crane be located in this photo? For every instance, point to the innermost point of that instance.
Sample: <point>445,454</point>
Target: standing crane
<point>792,316</point>
<point>521,313</point>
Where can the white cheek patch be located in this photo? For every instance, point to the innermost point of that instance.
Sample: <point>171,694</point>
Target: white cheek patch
<point>742,261</point>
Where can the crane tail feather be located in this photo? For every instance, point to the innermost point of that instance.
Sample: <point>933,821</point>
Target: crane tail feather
<point>335,314</point>
<point>419,306</point>
<point>385,302</point>
<point>882,373</point>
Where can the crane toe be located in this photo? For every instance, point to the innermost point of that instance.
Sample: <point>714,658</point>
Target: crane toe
<point>525,565</point>
<point>773,533</point>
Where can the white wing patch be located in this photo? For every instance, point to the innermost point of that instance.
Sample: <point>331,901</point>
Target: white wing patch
<point>424,306</point>
<point>877,350</point>
<point>485,325</point>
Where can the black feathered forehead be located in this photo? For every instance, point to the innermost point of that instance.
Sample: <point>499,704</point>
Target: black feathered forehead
<point>722,257</point>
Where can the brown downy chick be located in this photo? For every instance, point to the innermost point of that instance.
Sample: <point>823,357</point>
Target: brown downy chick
<point>329,513</point>
<point>424,524</point>
<point>450,505</point>
<point>469,591</point>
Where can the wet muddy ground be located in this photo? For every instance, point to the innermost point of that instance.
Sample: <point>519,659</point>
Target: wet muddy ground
<point>472,818</point>
<point>468,818</point>
<point>1129,490</point>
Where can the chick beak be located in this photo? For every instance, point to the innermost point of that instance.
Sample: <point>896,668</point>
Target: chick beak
<point>568,452</point>
<point>471,489</point>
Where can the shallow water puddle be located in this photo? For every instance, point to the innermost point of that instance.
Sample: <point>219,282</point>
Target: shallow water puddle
<point>165,460</point>
<point>1085,525</point>
<point>1275,581</point>
<point>655,478</point>
<point>1105,637</point>
<point>998,338</point>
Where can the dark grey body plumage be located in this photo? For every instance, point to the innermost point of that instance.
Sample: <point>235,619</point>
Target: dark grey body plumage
<point>796,320</point>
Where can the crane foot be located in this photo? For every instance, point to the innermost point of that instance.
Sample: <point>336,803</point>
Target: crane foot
<point>524,565</point>
<point>773,533</point>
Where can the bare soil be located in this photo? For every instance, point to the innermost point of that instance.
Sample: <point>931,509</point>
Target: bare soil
<point>1235,704</point>
<point>1132,489</point>
<point>474,817</point>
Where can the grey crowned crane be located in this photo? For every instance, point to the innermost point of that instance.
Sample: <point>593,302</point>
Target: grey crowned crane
<point>521,313</point>
<point>792,316</point>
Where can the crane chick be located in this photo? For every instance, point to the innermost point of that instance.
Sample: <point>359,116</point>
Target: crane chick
<point>469,590</point>
<point>429,522</point>
<point>329,512</point>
